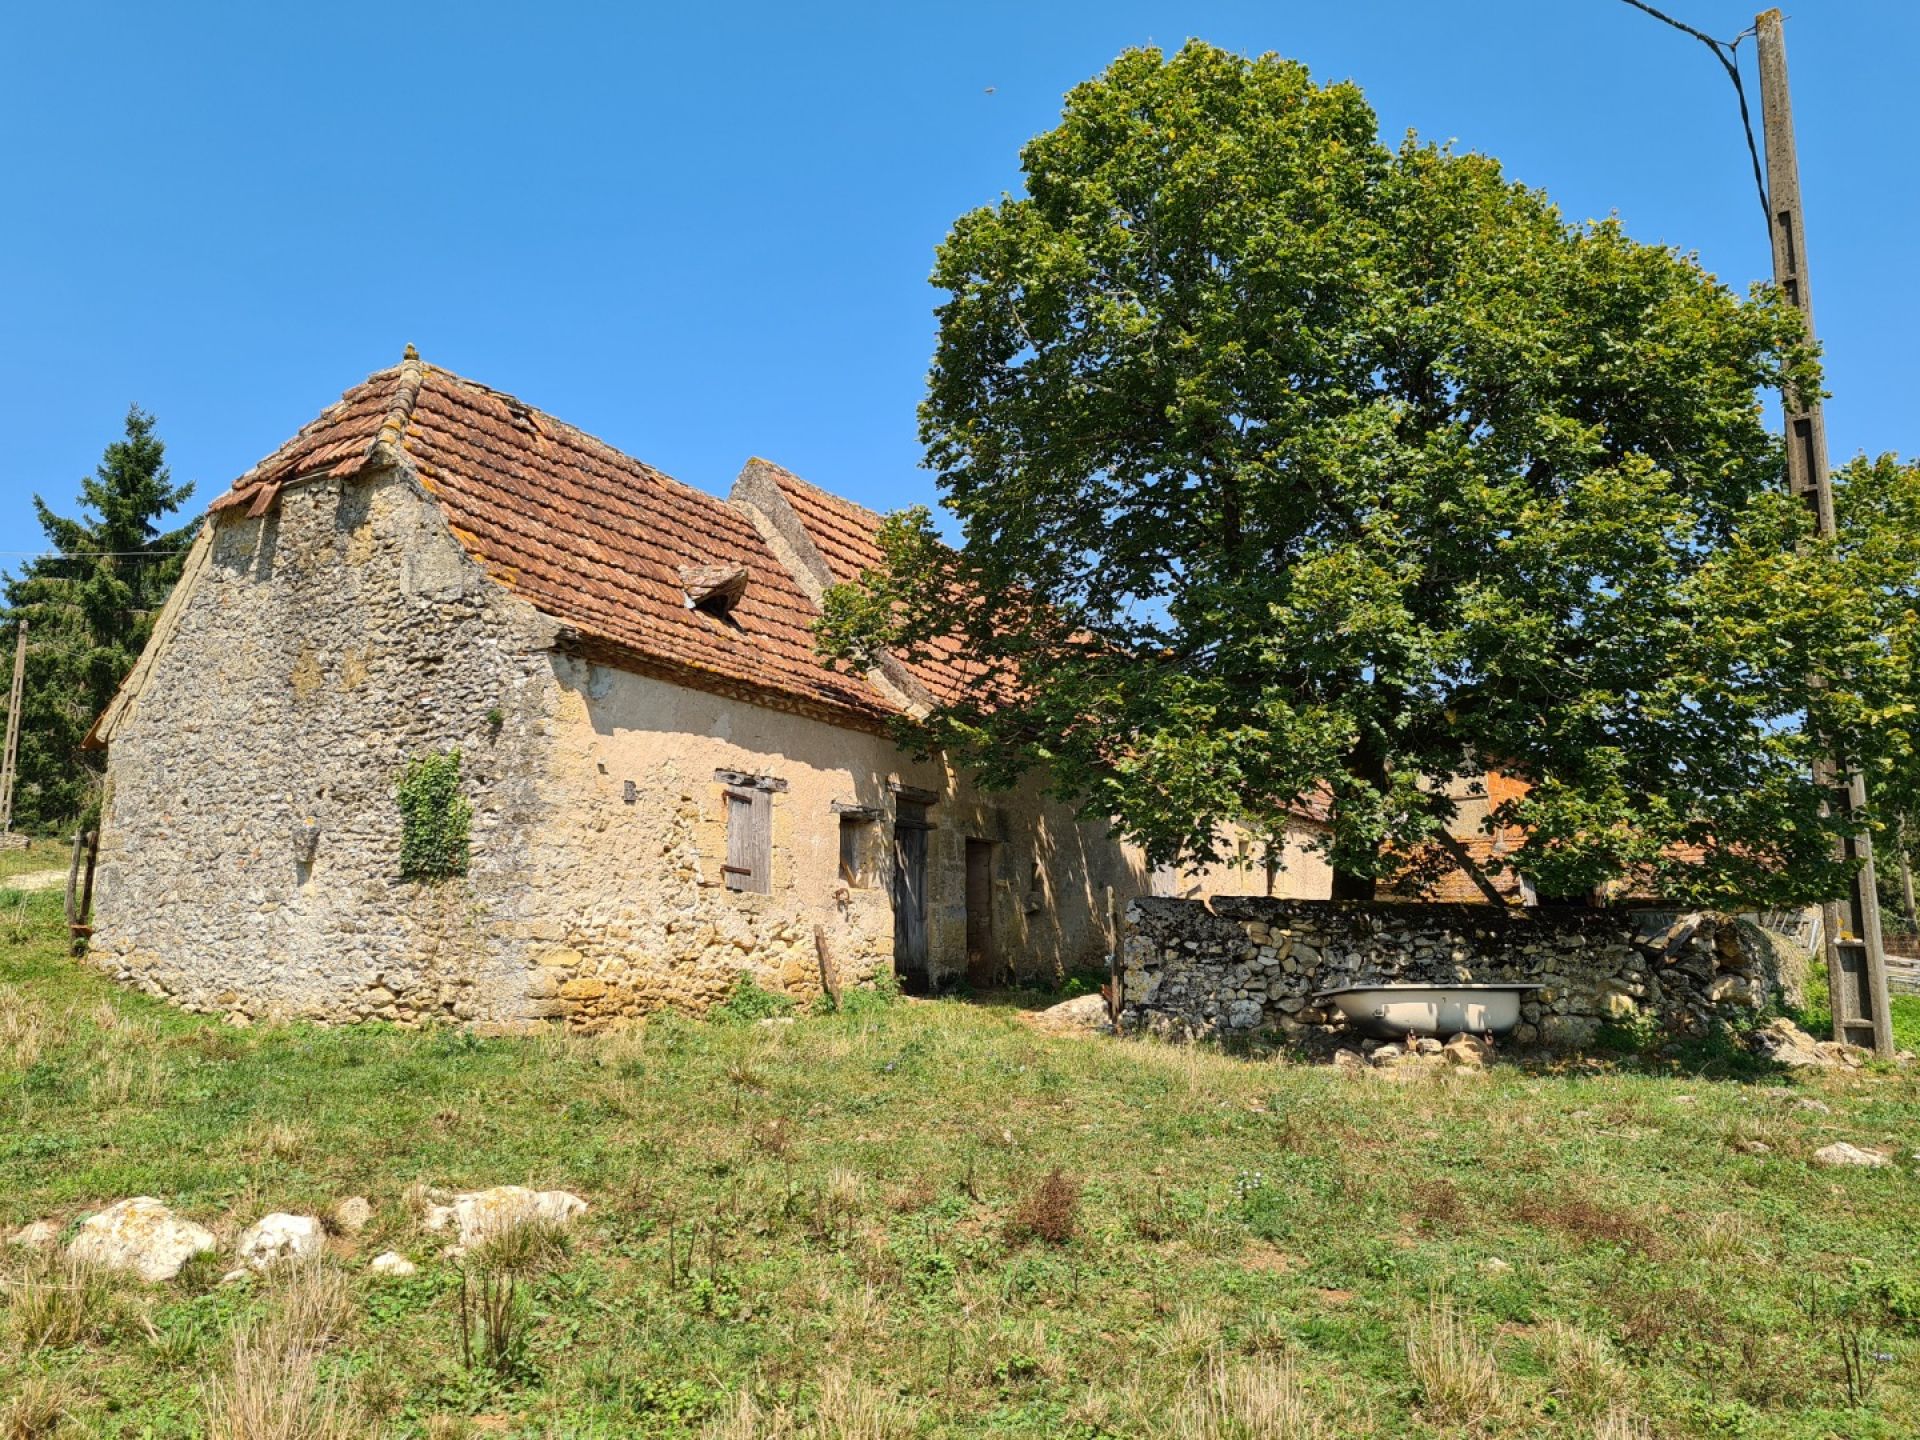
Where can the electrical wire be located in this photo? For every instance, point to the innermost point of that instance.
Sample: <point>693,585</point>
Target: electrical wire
<point>90,554</point>
<point>1727,53</point>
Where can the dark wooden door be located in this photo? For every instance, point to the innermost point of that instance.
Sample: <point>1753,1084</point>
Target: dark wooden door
<point>910,897</point>
<point>982,964</point>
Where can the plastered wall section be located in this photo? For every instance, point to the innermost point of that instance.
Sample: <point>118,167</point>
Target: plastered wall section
<point>649,919</point>
<point>1240,868</point>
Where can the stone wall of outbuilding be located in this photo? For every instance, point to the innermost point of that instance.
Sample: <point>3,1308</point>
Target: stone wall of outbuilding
<point>1243,964</point>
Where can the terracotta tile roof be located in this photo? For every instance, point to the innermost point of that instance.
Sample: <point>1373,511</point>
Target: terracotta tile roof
<point>590,536</point>
<point>845,535</point>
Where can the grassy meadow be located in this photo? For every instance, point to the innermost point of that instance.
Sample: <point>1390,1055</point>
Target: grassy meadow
<point>926,1219</point>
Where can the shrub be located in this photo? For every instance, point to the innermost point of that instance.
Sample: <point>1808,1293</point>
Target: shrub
<point>747,1002</point>
<point>435,818</point>
<point>1049,1212</point>
<point>492,1312</point>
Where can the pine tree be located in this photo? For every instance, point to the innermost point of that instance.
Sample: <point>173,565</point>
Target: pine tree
<point>89,605</point>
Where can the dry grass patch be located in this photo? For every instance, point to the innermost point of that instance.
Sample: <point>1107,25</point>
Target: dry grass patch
<point>1586,1377</point>
<point>1050,1211</point>
<point>1190,1336</point>
<point>273,1391</point>
<point>310,1300</point>
<point>846,1409</point>
<point>1458,1381</point>
<point>1262,1400</point>
<point>279,1141</point>
<point>1621,1425</point>
<point>35,1411</point>
<point>58,1301</point>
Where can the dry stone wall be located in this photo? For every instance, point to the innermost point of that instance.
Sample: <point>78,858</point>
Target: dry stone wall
<point>1244,964</point>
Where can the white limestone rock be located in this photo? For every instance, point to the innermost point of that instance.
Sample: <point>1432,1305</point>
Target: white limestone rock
<point>352,1214</point>
<point>40,1235</point>
<point>477,1214</point>
<point>1785,1043</point>
<point>1081,1015</point>
<point>140,1235</point>
<point>280,1236</point>
<point>1841,1153</point>
<point>393,1263</point>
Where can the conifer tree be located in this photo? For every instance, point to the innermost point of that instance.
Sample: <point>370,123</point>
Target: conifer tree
<point>89,604</point>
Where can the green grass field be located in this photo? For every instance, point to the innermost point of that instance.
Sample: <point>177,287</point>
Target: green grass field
<point>846,1226</point>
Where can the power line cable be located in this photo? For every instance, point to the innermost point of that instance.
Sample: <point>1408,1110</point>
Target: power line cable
<point>1727,53</point>
<point>91,554</point>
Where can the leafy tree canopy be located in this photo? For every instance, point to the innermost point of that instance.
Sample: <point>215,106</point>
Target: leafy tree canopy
<point>1291,466</point>
<point>1877,505</point>
<point>89,606</point>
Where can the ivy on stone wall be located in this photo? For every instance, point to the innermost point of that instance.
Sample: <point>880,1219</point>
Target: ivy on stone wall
<point>435,818</point>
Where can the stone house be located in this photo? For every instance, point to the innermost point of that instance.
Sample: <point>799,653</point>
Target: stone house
<point>668,789</point>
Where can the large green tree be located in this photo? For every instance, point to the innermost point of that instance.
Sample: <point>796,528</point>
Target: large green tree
<point>1291,466</point>
<point>89,604</point>
<point>1877,506</point>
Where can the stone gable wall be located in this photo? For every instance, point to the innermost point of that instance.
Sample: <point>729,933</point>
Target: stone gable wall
<point>322,646</point>
<point>1243,963</point>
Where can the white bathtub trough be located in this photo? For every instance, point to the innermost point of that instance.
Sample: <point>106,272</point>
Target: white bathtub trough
<point>1392,1012</point>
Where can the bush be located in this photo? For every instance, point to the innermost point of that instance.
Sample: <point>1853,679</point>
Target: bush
<point>748,1002</point>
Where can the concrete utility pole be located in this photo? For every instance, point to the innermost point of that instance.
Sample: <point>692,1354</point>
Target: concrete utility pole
<point>11,763</point>
<point>1856,963</point>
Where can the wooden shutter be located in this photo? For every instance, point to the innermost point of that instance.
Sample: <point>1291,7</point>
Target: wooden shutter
<point>749,841</point>
<point>853,844</point>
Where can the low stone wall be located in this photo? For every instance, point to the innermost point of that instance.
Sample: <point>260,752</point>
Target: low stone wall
<point>1245,963</point>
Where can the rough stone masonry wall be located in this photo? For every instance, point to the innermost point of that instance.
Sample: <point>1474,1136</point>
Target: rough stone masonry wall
<point>1244,963</point>
<point>322,646</point>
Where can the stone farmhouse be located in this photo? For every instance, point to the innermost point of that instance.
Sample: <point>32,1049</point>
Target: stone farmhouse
<point>668,789</point>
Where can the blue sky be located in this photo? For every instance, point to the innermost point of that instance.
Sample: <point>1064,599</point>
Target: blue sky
<point>702,232</point>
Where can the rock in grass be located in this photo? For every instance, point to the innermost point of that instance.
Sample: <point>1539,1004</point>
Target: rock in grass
<point>1472,1051</point>
<point>392,1262</point>
<point>140,1235</point>
<point>1084,1014</point>
<point>1785,1043</point>
<point>480,1213</point>
<point>278,1237</point>
<point>352,1214</point>
<point>40,1235</point>
<point>1841,1153</point>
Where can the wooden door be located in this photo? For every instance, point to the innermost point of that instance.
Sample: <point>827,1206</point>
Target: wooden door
<point>982,964</point>
<point>910,897</point>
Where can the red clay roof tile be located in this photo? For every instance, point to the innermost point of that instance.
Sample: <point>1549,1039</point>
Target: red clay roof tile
<point>590,536</point>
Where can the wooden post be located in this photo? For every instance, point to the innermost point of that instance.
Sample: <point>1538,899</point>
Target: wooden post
<point>10,763</point>
<point>829,972</point>
<point>81,929</point>
<point>73,879</point>
<point>1856,959</point>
